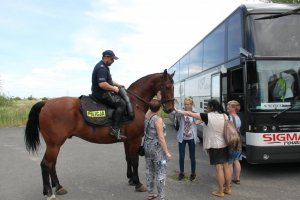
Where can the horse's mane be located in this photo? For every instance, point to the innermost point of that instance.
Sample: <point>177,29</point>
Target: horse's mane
<point>146,77</point>
<point>141,80</point>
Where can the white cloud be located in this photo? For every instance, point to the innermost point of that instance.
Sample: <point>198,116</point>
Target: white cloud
<point>52,80</point>
<point>164,31</point>
<point>72,64</point>
<point>148,36</point>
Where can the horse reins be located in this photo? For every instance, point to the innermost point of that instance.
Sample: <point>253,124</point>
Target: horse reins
<point>138,97</point>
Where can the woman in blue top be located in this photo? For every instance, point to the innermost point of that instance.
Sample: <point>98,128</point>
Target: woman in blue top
<point>233,107</point>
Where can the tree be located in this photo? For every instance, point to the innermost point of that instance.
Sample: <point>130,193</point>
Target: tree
<point>31,98</point>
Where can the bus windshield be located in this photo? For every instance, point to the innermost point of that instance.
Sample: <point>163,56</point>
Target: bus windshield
<point>277,86</point>
<point>276,36</point>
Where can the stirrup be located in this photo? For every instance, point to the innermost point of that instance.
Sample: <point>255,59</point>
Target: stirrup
<point>117,133</point>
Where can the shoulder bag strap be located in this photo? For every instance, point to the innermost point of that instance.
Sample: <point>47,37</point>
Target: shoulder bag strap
<point>226,118</point>
<point>234,121</point>
<point>147,128</point>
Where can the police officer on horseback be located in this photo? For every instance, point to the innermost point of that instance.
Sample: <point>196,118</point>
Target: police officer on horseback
<point>106,90</point>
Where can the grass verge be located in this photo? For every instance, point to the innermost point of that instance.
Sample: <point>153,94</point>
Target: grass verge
<point>15,113</point>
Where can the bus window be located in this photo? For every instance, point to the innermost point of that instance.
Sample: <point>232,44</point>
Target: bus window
<point>196,57</point>
<point>234,35</point>
<point>281,87</point>
<point>175,68</point>
<point>214,46</point>
<point>278,85</point>
<point>279,43</point>
<point>184,67</point>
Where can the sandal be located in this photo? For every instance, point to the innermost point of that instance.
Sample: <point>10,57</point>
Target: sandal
<point>227,191</point>
<point>218,194</point>
<point>152,196</point>
<point>236,182</point>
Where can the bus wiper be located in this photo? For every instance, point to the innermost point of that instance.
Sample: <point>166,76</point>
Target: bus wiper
<point>294,104</point>
<point>280,15</point>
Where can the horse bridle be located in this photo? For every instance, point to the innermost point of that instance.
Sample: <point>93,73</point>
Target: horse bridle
<point>163,91</point>
<point>163,101</point>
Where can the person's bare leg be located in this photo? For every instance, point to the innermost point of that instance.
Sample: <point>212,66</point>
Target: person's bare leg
<point>237,170</point>
<point>220,177</point>
<point>231,170</point>
<point>227,175</point>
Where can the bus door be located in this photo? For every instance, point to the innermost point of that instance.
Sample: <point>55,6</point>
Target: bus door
<point>224,94</point>
<point>219,88</point>
<point>236,91</point>
<point>215,87</point>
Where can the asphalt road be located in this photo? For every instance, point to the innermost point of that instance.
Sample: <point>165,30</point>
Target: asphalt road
<point>98,172</point>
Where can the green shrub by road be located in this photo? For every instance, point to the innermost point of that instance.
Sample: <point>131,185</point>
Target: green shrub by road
<point>15,113</point>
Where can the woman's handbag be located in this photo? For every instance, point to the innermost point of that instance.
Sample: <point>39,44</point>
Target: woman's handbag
<point>141,150</point>
<point>231,135</point>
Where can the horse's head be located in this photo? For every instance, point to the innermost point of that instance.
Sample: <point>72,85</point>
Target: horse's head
<point>167,92</point>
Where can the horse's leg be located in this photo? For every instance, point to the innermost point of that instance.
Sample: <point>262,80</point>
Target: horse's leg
<point>133,158</point>
<point>47,165</point>
<point>59,190</point>
<point>129,165</point>
<point>139,187</point>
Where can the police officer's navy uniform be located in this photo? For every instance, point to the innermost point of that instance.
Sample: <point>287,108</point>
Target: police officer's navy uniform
<point>101,73</point>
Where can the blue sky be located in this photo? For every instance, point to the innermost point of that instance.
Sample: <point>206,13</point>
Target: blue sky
<point>48,48</point>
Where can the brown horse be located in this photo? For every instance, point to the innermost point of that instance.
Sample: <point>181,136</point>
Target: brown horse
<point>60,118</point>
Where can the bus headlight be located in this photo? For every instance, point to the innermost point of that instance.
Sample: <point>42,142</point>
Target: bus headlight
<point>266,156</point>
<point>265,128</point>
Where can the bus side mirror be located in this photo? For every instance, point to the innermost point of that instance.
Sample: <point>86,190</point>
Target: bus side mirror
<point>251,71</point>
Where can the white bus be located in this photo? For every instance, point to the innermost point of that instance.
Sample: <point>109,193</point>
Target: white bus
<point>253,56</point>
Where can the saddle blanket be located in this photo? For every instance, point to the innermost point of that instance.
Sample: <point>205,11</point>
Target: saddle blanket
<point>96,113</point>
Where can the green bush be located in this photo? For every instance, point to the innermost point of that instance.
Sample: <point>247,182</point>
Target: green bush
<point>5,101</point>
<point>14,113</point>
<point>162,114</point>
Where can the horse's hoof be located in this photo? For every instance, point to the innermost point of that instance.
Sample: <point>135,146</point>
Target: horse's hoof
<point>141,188</point>
<point>52,197</point>
<point>61,191</point>
<point>130,182</point>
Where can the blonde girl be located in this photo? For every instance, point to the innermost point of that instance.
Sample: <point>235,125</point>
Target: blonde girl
<point>187,134</point>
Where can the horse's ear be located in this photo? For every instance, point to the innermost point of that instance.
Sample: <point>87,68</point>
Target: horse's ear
<point>172,75</point>
<point>165,74</point>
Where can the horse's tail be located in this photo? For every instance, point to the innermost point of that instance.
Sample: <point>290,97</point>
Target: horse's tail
<point>32,138</point>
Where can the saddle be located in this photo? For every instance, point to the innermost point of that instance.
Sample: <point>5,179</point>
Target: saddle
<point>96,113</point>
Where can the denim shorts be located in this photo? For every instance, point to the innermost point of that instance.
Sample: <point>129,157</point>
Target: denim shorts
<point>234,155</point>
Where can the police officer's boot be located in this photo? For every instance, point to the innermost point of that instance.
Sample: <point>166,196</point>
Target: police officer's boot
<point>129,107</point>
